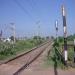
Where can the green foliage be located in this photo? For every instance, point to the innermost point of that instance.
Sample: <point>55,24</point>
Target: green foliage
<point>71,37</point>
<point>55,57</point>
<point>36,37</point>
<point>70,40</point>
<point>8,49</point>
<point>61,39</point>
<point>71,54</point>
<point>38,40</point>
<point>56,44</point>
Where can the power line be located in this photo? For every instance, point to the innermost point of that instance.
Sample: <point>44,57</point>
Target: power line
<point>22,8</point>
<point>31,3</point>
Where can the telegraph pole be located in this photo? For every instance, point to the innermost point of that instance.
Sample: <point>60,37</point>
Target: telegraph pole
<point>65,35</point>
<point>13,30</point>
<point>56,27</point>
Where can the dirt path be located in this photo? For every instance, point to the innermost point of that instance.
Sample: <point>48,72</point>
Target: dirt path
<point>36,68</point>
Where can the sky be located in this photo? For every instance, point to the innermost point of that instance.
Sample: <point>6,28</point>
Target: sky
<point>36,17</point>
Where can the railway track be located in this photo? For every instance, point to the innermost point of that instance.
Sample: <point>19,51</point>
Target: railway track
<point>20,55</point>
<point>17,64</point>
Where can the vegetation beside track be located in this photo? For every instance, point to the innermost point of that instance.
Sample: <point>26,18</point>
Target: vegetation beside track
<point>70,46</point>
<point>8,50</point>
<point>54,58</point>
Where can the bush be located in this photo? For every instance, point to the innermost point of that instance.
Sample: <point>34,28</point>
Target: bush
<point>56,44</point>
<point>8,49</point>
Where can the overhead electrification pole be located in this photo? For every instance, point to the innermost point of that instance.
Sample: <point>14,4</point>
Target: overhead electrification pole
<point>65,34</point>
<point>13,30</point>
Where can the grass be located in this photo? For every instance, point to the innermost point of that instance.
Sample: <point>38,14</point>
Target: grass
<point>70,49</point>
<point>8,50</point>
<point>54,58</point>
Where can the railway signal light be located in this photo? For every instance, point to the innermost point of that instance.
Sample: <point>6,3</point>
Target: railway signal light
<point>65,34</point>
<point>56,27</point>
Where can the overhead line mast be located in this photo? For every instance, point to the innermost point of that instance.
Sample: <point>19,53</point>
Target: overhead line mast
<point>13,30</point>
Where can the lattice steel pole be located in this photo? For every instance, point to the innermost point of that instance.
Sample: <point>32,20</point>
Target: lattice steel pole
<point>13,29</point>
<point>65,35</point>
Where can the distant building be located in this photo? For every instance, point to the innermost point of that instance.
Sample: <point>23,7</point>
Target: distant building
<point>7,40</point>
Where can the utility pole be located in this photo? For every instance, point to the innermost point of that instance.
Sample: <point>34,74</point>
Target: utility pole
<point>56,27</point>
<point>65,35</point>
<point>13,30</point>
